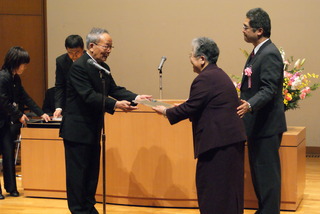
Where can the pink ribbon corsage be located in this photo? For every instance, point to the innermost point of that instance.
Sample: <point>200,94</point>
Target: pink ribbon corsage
<point>248,72</point>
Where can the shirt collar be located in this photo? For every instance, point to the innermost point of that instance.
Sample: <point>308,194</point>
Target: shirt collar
<point>256,49</point>
<point>91,57</point>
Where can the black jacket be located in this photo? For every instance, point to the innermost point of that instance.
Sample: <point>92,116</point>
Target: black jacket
<point>13,97</point>
<point>212,109</point>
<point>265,94</point>
<point>82,119</point>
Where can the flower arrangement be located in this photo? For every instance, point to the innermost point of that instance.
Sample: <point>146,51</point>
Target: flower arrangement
<point>296,85</point>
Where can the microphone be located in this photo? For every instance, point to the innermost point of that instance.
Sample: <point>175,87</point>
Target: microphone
<point>95,64</point>
<point>162,62</point>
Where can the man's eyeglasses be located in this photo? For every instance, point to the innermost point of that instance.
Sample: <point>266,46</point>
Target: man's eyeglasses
<point>107,47</point>
<point>245,27</point>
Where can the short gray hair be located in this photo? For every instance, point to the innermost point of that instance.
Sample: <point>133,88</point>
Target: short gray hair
<point>203,46</point>
<point>94,35</point>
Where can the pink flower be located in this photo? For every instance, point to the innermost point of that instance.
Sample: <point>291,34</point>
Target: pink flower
<point>248,72</point>
<point>302,95</point>
<point>306,90</point>
<point>287,74</point>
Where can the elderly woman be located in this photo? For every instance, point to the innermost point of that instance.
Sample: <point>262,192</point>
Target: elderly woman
<point>218,132</point>
<point>11,94</point>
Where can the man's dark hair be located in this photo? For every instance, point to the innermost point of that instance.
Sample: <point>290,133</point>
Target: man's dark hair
<point>74,41</point>
<point>260,19</point>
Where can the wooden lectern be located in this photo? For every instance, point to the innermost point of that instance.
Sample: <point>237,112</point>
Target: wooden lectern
<point>149,163</point>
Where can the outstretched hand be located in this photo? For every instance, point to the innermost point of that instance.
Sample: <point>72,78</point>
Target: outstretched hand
<point>159,109</point>
<point>45,117</point>
<point>124,105</point>
<point>24,119</point>
<point>57,113</point>
<point>144,97</point>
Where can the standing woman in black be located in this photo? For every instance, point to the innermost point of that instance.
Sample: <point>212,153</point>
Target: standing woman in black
<point>11,94</point>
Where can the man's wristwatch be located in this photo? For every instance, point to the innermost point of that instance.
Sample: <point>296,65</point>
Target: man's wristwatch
<point>164,112</point>
<point>249,107</point>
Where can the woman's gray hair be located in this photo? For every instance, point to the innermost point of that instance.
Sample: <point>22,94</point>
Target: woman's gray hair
<point>94,35</point>
<point>206,47</point>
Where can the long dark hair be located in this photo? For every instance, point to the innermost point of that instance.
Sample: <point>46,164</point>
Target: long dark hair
<point>15,57</point>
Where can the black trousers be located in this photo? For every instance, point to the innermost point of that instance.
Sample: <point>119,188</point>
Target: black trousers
<point>265,169</point>
<point>7,148</point>
<point>82,173</point>
<point>220,180</point>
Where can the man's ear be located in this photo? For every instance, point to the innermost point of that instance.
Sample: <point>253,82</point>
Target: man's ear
<point>260,31</point>
<point>90,47</point>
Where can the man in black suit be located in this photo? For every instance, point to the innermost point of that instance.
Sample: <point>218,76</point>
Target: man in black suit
<point>262,110</point>
<point>74,46</point>
<point>218,132</point>
<point>83,119</point>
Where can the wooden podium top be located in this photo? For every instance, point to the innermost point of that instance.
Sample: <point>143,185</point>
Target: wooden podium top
<point>294,136</point>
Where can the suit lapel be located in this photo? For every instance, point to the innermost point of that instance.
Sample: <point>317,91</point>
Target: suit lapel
<point>250,61</point>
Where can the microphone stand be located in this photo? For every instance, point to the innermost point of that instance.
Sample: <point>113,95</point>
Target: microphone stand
<point>103,139</point>
<point>160,82</point>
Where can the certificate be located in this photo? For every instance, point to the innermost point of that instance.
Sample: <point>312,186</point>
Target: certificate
<point>153,103</point>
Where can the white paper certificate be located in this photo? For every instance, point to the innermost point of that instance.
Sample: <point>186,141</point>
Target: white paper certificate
<point>153,103</point>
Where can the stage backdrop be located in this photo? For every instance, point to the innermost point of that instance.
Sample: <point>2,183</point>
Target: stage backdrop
<point>145,30</point>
